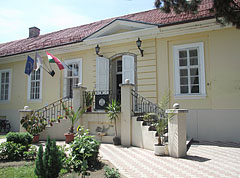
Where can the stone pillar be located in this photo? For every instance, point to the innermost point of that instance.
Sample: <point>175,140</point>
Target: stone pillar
<point>177,133</point>
<point>78,96</point>
<point>23,113</point>
<point>126,111</point>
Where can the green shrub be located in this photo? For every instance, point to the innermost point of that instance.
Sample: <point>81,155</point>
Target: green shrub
<point>39,169</point>
<point>84,152</point>
<point>51,164</point>
<point>11,151</point>
<point>111,172</point>
<point>20,137</point>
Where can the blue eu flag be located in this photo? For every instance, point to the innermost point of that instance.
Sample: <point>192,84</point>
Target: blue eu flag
<point>29,65</point>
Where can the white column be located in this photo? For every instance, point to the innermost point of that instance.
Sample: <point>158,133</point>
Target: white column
<point>78,97</point>
<point>23,113</point>
<point>126,110</point>
<point>177,132</point>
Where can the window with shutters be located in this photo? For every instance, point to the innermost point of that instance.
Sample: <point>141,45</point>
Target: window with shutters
<point>5,77</point>
<point>35,85</point>
<point>72,76</point>
<point>189,70</point>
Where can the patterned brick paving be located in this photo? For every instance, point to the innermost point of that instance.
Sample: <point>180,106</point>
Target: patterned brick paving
<point>206,159</point>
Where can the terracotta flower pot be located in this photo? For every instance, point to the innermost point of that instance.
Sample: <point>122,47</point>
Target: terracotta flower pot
<point>89,109</point>
<point>69,137</point>
<point>35,139</point>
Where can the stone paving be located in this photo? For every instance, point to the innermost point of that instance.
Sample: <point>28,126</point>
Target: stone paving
<point>206,159</point>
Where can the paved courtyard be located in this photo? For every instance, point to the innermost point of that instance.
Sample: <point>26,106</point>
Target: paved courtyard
<point>206,159</point>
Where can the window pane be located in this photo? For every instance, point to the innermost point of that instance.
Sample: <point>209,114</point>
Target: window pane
<point>7,77</point>
<point>69,72</point>
<point>195,89</point>
<point>38,75</point>
<point>183,81</point>
<point>6,96</point>
<point>75,70</point>
<point>194,71</point>
<point>193,61</point>
<point>183,72</point>
<point>193,53</point>
<point>119,66</point>
<point>194,80</point>
<point>183,54</point>
<point>184,89</point>
<point>3,77</point>
<point>183,62</point>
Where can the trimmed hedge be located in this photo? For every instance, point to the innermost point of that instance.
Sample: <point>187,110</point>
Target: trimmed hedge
<point>23,138</point>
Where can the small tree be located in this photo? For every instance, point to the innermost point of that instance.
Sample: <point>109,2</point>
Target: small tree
<point>73,116</point>
<point>39,169</point>
<point>113,110</point>
<point>51,164</point>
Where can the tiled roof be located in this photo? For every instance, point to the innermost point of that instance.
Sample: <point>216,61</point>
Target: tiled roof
<point>77,34</point>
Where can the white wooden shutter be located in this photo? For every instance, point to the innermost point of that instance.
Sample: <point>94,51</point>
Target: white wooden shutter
<point>128,69</point>
<point>102,74</point>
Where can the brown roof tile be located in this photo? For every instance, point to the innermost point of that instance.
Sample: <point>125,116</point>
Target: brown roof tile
<point>77,34</point>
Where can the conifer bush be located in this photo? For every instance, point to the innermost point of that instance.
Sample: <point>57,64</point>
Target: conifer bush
<point>51,164</point>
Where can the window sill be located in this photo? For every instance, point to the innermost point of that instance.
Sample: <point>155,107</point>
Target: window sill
<point>4,101</point>
<point>34,101</point>
<point>190,97</point>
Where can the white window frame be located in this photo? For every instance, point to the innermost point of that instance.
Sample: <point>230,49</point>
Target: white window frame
<point>40,88</point>
<point>68,62</point>
<point>202,87</point>
<point>10,81</point>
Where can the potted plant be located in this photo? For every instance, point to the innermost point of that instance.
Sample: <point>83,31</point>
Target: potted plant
<point>73,117</point>
<point>159,148</point>
<point>113,110</point>
<point>161,125</point>
<point>89,101</point>
<point>34,125</point>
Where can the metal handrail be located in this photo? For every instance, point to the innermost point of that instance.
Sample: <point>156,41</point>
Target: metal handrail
<point>141,105</point>
<point>54,109</point>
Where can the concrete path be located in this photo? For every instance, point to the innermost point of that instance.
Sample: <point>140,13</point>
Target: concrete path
<point>206,159</point>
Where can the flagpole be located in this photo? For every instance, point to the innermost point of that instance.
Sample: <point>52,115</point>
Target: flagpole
<point>50,73</point>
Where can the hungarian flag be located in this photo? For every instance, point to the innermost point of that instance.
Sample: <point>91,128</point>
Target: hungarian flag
<point>53,59</point>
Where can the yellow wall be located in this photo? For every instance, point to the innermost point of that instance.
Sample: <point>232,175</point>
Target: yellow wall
<point>222,61</point>
<point>154,71</point>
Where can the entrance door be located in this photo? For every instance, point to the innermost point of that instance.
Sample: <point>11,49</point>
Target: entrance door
<point>118,80</point>
<point>122,68</point>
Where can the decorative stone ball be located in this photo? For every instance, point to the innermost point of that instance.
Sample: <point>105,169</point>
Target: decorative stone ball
<point>176,106</point>
<point>127,81</point>
<point>26,107</point>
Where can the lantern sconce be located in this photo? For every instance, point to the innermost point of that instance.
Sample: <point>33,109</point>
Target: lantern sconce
<point>97,49</point>
<point>139,43</point>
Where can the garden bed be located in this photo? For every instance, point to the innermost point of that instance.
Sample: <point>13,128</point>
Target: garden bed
<point>16,168</point>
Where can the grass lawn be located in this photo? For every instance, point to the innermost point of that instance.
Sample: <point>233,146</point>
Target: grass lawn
<point>16,172</point>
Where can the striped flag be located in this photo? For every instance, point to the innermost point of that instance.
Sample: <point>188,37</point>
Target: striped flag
<point>38,61</point>
<point>53,59</point>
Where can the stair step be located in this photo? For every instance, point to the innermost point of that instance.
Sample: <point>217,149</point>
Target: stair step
<point>152,128</point>
<point>139,118</point>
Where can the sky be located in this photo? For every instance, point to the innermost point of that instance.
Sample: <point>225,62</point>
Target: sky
<point>17,16</point>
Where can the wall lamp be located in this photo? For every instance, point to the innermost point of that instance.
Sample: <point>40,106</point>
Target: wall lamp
<point>97,49</point>
<point>139,43</point>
